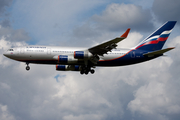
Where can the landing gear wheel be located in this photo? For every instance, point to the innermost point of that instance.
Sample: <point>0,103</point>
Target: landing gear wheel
<point>92,71</point>
<point>27,68</point>
<point>86,72</point>
<point>82,72</point>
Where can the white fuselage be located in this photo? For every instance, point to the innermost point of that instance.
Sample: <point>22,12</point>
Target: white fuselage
<point>39,54</point>
<point>104,54</point>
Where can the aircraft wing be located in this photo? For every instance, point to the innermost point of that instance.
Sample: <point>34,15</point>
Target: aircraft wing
<point>108,46</point>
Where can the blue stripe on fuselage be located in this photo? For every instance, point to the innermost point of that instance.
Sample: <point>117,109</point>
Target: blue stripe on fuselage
<point>134,56</point>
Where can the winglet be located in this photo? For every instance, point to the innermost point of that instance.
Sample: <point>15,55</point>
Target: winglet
<point>126,33</point>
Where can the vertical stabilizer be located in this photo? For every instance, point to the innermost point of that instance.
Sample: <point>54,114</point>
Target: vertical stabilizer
<point>156,40</point>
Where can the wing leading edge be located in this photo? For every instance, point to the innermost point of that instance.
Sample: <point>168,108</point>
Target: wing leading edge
<point>107,46</point>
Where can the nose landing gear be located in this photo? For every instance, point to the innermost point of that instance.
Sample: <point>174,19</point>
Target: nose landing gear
<point>27,67</point>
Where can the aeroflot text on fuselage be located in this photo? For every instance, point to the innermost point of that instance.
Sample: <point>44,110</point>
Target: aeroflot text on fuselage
<point>86,59</point>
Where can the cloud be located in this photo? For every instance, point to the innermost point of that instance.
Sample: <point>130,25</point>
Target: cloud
<point>37,95</point>
<point>87,30</point>
<point>122,16</point>
<point>5,23</point>
<point>6,29</point>
<point>51,22</point>
<point>4,4</point>
<point>14,35</point>
<point>150,99</point>
<point>158,97</point>
<point>111,24</point>
<point>4,113</point>
<point>166,10</point>
<point>133,39</point>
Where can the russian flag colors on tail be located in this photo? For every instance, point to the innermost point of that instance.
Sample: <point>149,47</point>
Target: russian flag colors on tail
<point>156,40</point>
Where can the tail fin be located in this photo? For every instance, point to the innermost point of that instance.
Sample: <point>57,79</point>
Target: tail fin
<point>156,40</point>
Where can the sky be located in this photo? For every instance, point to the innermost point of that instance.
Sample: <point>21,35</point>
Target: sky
<point>144,91</point>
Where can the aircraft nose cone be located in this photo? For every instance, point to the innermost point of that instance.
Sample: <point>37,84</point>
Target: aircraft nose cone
<point>6,54</point>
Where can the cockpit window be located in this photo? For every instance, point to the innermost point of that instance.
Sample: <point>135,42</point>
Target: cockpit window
<point>10,50</point>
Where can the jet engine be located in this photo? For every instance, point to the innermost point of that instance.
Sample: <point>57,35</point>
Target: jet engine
<point>82,54</point>
<point>67,67</point>
<point>64,59</point>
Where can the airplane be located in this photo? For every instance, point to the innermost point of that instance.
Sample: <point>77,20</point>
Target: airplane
<point>86,59</point>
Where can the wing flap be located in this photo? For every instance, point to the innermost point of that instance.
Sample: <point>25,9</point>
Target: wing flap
<point>158,52</point>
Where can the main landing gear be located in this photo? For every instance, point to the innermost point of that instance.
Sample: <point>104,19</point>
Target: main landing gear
<point>27,67</point>
<point>86,70</point>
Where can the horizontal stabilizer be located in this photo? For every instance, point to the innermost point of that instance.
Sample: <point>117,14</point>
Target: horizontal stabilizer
<point>158,52</point>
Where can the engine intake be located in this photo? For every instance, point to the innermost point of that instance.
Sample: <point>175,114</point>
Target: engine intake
<point>62,58</point>
<point>79,54</point>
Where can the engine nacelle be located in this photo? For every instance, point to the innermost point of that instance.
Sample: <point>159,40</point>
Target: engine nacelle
<point>66,59</point>
<point>82,54</point>
<point>67,67</point>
